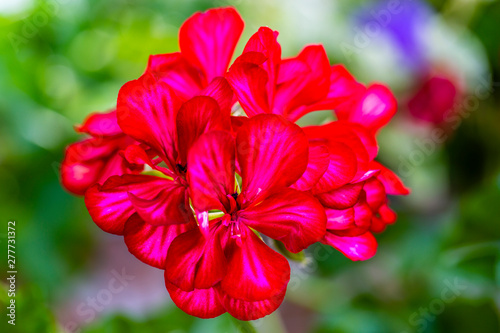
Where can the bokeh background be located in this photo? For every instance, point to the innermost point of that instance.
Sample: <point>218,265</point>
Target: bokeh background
<point>437,269</point>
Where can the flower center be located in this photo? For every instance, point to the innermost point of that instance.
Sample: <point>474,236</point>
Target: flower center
<point>181,168</point>
<point>230,219</point>
<point>234,206</point>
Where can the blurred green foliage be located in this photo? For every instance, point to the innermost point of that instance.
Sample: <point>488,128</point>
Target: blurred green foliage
<point>60,60</point>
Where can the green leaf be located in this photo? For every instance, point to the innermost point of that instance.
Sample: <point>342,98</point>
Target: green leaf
<point>299,257</point>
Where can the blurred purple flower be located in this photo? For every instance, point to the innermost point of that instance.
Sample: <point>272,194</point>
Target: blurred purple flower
<point>402,22</point>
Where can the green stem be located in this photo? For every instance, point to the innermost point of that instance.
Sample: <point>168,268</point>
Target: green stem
<point>243,326</point>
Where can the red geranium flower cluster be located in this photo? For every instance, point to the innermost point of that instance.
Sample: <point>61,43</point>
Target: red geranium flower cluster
<point>217,186</point>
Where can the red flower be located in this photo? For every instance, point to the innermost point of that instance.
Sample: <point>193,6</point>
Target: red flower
<point>265,83</point>
<point>95,159</point>
<point>207,42</point>
<point>359,207</point>
<point>151,210</point>
<point>350,230</point>
<point>224,265</point>
<point>216,181</point>
<point>434,100</point>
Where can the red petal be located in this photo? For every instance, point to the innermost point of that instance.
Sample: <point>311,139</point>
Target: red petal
<point>272,153</point>
<point>355,248</point>
<point>167,205</point>
<point>146,111</point>
<point>175,71</point>
<point>208,39</point>
<point>317,164</point>
<point>202,303</point>
<point>375,193</point>
<point>211,171</point>
<point>387,214</point>
<point>296,218</point>
<point>392,183</point>
<point>264,41</point>
<point>247,310</point>
<point>377,225</point>
<point>339,219</point>
<point>343,88</point>
<point>352,221</point>
<point>255,272</point>
<point>375,109</point>
<point>195,261</point>
<point>316,83</point>
<point>341,198</point>
<point>150,243</point>
<point>237,122</point>
<point>93,161</point>
<point>199,115</point>
<point>220,90</point>
<point>110,206</point>
<point>341,169</point>
<point>342,132</point>
<point>252,57</point>
<point>367,138</point>
<point>249,85</point>
<point>100,124</point>
<point>290,69</point>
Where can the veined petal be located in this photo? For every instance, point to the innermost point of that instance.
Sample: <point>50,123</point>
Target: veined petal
<point>341,169</point>
<point>255,272</point>
<point>168,205</point>
<point>177,73</point>
<point>343,90</point>
<point>202,303</point>
<point>316,82</point>
<point>296,218</point>
<point>211,170</point>
<point>249,82</point>
<point>317,164</point>
<point>265,41</point>
<point>146,111</point>
<point>251,310</point>
<point>342,132</point>
<point>341,198</point>
<point>251,57</point>
<point>109,204</point>
<point>272,153</point>
<point>290,69</point>
<point>361,247</point>
<point>367,138</point>
<point>195,261</point>
<point>220,90</point>
<point>150,243</point>
<point>208,39</point>
<point>352,221</point>
<point>199,115</point>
